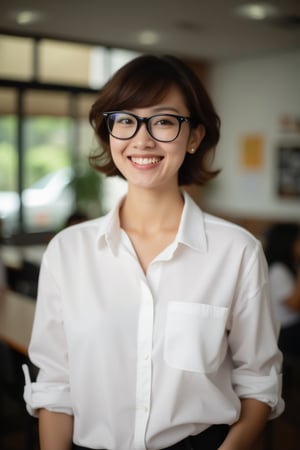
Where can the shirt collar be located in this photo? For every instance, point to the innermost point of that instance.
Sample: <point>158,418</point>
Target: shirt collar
<point>191,231</point>
<point>109,230</point>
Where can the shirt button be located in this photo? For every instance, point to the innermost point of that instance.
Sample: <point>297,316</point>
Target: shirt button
<point>145,409</point>
<point>146,356</point>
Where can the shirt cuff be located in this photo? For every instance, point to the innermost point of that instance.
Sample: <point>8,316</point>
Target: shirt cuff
<point>266,389</point>
<point>52,396</point>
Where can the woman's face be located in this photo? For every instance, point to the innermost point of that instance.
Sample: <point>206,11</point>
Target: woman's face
<point>150,164</point>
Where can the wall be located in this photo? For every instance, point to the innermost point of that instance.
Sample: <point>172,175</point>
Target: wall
<point>252,96</point>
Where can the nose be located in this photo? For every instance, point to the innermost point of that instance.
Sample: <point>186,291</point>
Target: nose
<point>143,137</point>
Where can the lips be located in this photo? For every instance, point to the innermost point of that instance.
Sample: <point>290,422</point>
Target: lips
<point>143,161</point>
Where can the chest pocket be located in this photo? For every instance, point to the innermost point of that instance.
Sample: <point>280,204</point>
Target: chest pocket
<point>195,336</point>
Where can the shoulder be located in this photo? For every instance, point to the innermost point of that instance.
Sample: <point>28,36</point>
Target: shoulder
<point>238,253</point>
<point>217,230</point>
<point>72,237</point>
<point>235,247</point>
<point>228,232</point>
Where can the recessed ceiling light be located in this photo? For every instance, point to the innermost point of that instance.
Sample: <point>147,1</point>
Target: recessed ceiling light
<point>27,17</point>
<point>257,11</point>
<point>148,37</point>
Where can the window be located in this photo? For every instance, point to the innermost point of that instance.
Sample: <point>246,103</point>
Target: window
<point>64,62</point>
<point>45,136</point>
<point>47,195</point>
<point>59,62</point>
<point>8,153</point>
<point>20,65</point>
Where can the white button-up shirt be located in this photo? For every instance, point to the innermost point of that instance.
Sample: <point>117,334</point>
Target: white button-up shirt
<point>142,361</point>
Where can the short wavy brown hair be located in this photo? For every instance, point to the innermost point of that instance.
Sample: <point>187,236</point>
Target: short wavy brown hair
<point>144,82</point>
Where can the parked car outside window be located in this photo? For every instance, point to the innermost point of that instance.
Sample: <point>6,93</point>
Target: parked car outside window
<point>46,204</point>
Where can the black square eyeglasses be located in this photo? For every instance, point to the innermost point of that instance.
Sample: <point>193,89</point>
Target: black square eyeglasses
<point>161,127</point>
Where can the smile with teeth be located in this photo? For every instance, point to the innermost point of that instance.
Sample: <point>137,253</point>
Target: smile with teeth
<point>145,161</point>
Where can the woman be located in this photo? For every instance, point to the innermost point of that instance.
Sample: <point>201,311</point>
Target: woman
<point>149,320</point>
<point>283,256</point>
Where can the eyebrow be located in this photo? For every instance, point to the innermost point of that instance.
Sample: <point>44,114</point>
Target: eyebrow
<point>164,108</point>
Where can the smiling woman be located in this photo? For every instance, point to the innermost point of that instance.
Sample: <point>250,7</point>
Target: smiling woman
<point>197,104</point>
<point>149,148</point>
<point>149,318</point>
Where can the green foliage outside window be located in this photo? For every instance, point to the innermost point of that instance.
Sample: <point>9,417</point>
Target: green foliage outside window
<point>8,156</point>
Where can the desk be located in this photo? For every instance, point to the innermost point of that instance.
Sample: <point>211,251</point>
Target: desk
<point>16,319</point>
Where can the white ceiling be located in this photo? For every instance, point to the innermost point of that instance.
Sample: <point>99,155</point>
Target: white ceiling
<point>206,30</point>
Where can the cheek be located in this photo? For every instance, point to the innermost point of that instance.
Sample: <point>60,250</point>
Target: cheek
<point>116,148</point>
<point>176,160</point>
<point>179,151</point>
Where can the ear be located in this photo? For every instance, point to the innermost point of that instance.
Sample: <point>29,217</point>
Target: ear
<point>195,139</point>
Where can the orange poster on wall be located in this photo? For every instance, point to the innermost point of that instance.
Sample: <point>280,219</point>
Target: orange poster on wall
<point>252,152</point>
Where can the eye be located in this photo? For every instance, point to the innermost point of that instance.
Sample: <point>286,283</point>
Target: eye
<point>124,119</point>
<point>165,121</point>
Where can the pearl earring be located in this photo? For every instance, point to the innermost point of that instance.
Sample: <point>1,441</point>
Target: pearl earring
<point>192,150</point>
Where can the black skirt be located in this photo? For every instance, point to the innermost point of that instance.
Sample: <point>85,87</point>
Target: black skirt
<point>210,439</point>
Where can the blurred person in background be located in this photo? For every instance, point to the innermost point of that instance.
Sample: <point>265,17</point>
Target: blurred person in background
<point>282,248</point>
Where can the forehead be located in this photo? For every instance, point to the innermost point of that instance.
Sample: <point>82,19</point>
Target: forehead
<point>172,101</point>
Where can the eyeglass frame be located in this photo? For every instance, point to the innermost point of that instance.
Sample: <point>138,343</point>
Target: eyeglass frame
<point>140,120</point>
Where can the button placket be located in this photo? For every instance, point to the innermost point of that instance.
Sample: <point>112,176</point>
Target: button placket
<point>144,365</point>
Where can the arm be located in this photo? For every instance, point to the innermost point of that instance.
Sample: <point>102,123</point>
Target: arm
<point>244,434</point>
<point>257,361</point>
<point>55,430</point>
<point>48,351</point>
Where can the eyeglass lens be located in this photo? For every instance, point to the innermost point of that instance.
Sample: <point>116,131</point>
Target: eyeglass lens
<point>162,127</point>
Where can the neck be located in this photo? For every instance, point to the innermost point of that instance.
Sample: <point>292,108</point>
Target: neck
<point>150,212</point>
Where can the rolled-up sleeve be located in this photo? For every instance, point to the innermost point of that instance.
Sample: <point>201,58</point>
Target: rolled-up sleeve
<point>257,359</point>
<point>267,389</point>
<point>52,396</point>
<point>48,351</point>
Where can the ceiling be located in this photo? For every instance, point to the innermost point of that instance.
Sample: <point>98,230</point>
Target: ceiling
<point>205,30</point>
